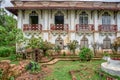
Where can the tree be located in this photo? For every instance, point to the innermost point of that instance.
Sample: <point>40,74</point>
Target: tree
<point>33,46</point>
<point>45,45</point>
<point>72,46</point>
<point>7,29</point>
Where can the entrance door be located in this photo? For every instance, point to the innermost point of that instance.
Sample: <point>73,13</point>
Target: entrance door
<point>59,19</point>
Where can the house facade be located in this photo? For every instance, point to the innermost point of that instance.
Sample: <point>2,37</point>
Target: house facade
<point>91,23</point>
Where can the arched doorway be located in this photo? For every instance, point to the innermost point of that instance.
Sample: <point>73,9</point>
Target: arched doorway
<point>59,18</point>
<point>84,42</point>
<point>106,43</point>
<point>33,17</point>
<point>83,18</point>
<point>59,42</point>
<point>106,21</point>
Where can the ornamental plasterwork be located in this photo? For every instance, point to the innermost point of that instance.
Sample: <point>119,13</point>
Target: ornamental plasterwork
<point>72,4</point>
<point>104,34</point>
<point>45,3</point>
<point>28,34</point>
<point>60,32</point>
<point>97,4</point>
<point>81,34</point>
<point>18,3</point>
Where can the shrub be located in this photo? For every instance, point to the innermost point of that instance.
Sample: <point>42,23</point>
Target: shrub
<point>72,46</point>
<point>13,57</point>
<point>1,73</point>
<point>64,53</point>
<point>106,54</point>
<point>85,54</point>
<point>6,51</point>
<point>33,67</point>
<point>11,78</point>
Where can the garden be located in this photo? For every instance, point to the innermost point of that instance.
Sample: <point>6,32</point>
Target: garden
<point>42,60</point>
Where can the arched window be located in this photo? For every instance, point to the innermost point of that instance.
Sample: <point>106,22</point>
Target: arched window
<point>106,19</point>
<point>83,19</point>
<point>84,42</point>
<point>106,43</point>
<point>59,18</point>
<point>33,17</point>
<point>59,42</point>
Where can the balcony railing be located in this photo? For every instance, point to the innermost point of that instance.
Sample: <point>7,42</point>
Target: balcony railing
<point>84,28</point>
<point>107,28</point>
<point>32,27</point>
<point>59,27</point>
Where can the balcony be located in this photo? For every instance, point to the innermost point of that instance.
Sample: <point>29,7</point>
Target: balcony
<point>84,28</point>
<point>32,27</point>
<point>59,28</point>
<point>107,28</point>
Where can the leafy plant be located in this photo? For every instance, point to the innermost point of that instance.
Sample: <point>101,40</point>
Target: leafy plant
<point>34,42</point>
<point>13,57</point>
<point>33,67</point>
<point>64,54</point>
<point>72,46</point>
<point>4,51</point>
<point>57,49</point>
<point>85,54</point>
<point>12,78</point>
<point>1,73</point>
<point>106,54</point>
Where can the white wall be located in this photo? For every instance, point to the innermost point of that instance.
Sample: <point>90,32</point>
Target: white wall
<point>46,17</point>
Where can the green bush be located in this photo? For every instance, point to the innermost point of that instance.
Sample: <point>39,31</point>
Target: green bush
<point>33,67</point>
<point>85,54</point>
<point>13,57</point>
<point>106,54</point>
<point>64,53</point>
<point>6,51</point>
<point>12,78</point>
<point>1,73</point>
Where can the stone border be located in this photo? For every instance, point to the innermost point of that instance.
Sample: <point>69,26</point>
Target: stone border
<point>102,74</point>
<point>111,71</point>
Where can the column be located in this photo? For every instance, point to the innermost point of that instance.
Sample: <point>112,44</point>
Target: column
<point>96,33</point>
<point>72,24</point>
<point>19,25</point>
<point>118,24</point>
<point>45,25</point>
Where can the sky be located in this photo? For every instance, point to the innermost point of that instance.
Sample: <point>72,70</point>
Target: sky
<point>7,2</point>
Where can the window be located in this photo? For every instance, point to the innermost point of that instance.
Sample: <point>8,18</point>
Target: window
<point>59,18</point>
<point>33,17</point>
<point>106,43</point>
<point>83,19</point>
<point>59,42</point>
<point>106,19</point>
<point>84,42</point>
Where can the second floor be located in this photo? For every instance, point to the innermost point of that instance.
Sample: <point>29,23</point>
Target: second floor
<point>69,20</point>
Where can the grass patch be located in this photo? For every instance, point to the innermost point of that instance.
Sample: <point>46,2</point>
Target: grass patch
<point>60,70</point>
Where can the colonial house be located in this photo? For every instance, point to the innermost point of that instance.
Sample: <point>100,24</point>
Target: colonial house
<point>61,21</point>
